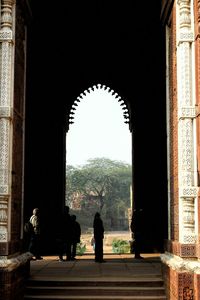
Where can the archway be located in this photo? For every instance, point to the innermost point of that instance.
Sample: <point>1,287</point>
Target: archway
<point>99,146</point>
<point>118,44</point>
<point>112,59</point>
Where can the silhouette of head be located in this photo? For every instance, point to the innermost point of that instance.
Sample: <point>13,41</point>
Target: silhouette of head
<point>36,211</point>
<point>73,218</point>
<point>97,215</point>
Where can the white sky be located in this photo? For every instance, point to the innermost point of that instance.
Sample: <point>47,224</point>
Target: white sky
<point>98,130</point>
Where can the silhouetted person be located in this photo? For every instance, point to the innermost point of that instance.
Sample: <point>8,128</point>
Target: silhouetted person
<point>65,235</point>
<point>98,236</point>
<point>76,234</point>
<point>34,246</point>
<point>28,232</point>
<point>136,232</point>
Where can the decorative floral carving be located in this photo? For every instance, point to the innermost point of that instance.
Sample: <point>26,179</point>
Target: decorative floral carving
<point>184,17</point>
<point>188,293</point>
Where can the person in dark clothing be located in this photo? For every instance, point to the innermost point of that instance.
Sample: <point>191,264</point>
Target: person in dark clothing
<point>136,232</point>
<point>34,246</point>
<point>65,235</point>
<point>76,234</point>
<point>98,236</point>
<point>28,233</point>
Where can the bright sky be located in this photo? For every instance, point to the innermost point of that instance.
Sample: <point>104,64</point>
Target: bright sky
<point>98,130</point>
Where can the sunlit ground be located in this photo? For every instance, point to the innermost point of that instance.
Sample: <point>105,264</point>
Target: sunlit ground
<point>108,239</point>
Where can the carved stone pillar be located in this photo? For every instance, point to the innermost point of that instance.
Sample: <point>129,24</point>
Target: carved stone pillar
<point>197,38</point>
<point>181,266</point>
<point>186,126</point>
<point>6,108</point>
<point>14,265</point>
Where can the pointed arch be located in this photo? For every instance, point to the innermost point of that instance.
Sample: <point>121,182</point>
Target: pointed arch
<point>123,103</point>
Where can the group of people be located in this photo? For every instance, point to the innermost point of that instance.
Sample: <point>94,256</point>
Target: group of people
<point>70,233</point>
<point>69,236</point>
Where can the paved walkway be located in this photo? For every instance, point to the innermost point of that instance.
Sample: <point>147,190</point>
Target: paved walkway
<point>117,266</point>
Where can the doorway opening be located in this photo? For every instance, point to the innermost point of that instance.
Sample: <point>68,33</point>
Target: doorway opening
<point>116,54</point>
<point>99,166</point>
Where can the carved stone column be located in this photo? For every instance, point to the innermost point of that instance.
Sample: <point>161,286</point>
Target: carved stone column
<point>197,38</point>
<point>186,117</point>
<point>6,107</point>
<point>14,265</point>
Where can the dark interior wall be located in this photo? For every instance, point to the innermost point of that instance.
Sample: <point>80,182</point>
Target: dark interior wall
<point>70,48</point>
<point>149,142</point>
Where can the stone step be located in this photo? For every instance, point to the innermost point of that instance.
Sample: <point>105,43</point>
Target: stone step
<point>38,297</point>
<point>152,282</point>
<point>147,289</point>
<point>85,280</point>
<point>105,291</point>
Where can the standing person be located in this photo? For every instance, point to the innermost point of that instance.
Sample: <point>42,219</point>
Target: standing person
<point>136,232</point>
<point>98,236</point>
<point>66,235</point>
<point>76,234</point>
<point>34,246</point>
<point>28,232</point>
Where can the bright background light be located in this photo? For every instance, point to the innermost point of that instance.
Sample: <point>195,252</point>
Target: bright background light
<point>98,130</point>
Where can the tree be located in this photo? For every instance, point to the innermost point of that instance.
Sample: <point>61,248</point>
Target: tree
<point>108,180</point>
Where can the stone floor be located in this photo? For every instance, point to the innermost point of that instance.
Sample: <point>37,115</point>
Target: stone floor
<point>117,266</point>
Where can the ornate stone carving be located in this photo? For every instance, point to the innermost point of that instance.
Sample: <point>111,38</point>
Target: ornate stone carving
<point>14,262</point>
<point>188,192</point>
<point>6,18</point>
<point>179,264</point>
<point>186,119</point>
<point>186,37</point>
<point>184,14</point>
<point>6,103</point>
<point>198,15</point>
<point>125,108</point>
<point>5,36</point>
<point>3,219</point>
<point>4,156</point>
<point>186,157</point>
<point>188,221</point>
<point>187,112</point>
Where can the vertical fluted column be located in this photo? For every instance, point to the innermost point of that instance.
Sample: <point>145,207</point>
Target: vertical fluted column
<point>6,105</point>
<point>186,117</point>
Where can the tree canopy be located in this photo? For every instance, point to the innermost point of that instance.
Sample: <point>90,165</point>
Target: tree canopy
<point>103,180</point>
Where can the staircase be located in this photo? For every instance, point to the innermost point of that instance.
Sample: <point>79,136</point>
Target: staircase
<point>140,289</point>
<point>119,278</point>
